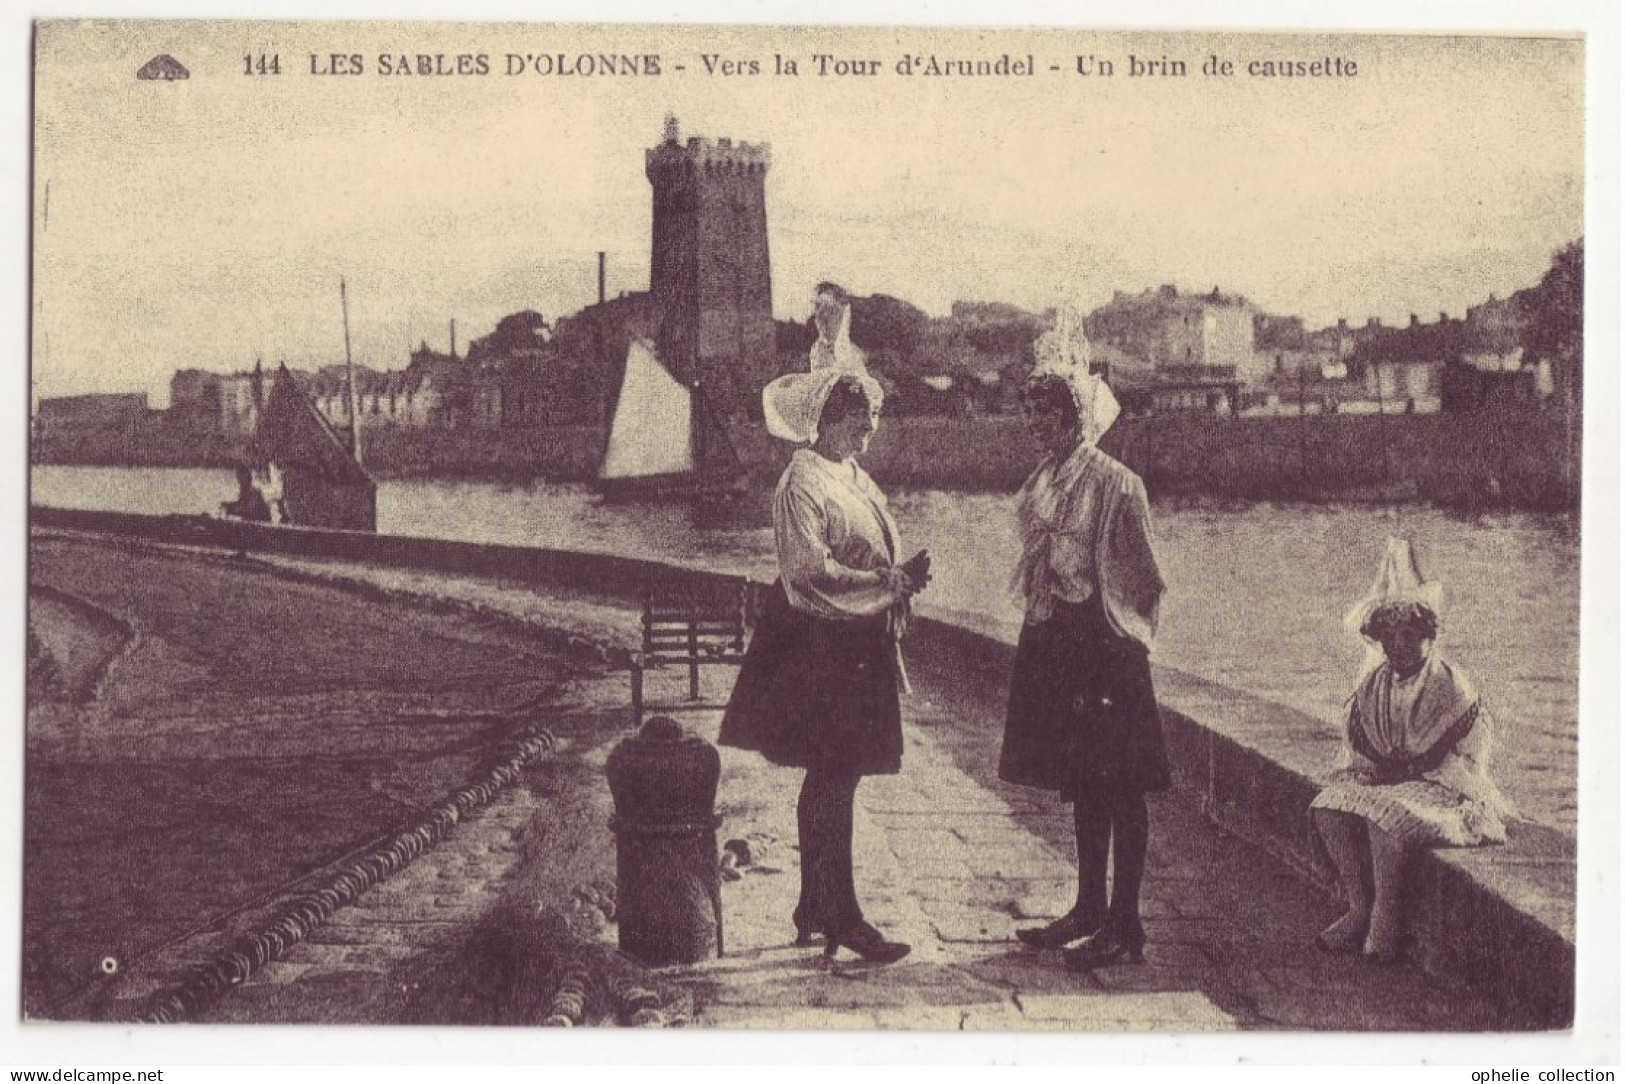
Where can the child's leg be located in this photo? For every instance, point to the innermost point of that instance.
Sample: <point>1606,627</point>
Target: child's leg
<point>1387,869</point>
<point>1345,837</point>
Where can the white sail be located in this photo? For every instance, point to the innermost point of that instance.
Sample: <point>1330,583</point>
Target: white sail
<point>651,431</point>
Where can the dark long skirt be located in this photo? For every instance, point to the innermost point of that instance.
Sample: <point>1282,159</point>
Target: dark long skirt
<point>821,693</point>
<point>1083,716</point>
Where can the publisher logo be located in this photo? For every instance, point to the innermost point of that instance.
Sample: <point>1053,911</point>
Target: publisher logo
<point>165,67</point>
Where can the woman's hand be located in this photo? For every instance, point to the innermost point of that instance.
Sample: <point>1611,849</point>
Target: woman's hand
<point>909,578</point>
<point>917,572</point>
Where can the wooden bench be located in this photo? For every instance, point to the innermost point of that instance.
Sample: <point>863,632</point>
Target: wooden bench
<point>688,624</point>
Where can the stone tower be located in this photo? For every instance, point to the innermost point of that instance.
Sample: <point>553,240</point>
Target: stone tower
<point>709,270</point>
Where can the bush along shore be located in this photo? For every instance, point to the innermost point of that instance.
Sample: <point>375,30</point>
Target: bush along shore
<point>1499,458</point>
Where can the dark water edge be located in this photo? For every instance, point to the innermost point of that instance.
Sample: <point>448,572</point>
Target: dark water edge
<point>1513,458</point>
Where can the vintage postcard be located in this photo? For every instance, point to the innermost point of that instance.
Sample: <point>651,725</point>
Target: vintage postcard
<point>807,528</point>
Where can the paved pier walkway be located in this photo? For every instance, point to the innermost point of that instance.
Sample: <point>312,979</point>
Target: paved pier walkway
<point>952,861</point>
<point>953,866</point>
<point>948,859</point>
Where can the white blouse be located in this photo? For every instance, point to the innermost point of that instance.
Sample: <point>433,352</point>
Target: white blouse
<point>1085,529</point>
<point>837,541</point>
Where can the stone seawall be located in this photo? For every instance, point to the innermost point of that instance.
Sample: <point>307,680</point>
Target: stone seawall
<point>1500,918</point>
<point>1507,457</point>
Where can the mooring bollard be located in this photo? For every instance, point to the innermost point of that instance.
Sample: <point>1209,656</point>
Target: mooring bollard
<point>669,898</point>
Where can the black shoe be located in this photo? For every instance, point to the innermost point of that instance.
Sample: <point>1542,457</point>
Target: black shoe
<point>867,942</point>
<point>805,935</point>
<point>1104,949</point>
<point>1070,927</point>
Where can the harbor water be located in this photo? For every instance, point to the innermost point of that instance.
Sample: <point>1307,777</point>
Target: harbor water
<point>1256,596</point>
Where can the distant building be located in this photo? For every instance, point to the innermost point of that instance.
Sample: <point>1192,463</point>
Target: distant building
<point>65,421</point>
<point>1401,370</point>
<point>1271,332</point>
<point>1164,351</point>
<point>1283,364</point>
<point>196,393</point>
<point>1338,341</point>
<point>1286,350</point>
<point>221,404</point>
<point>1325,388</point>
<point>1405,385</point>
<point>1175,331</point>
<point>523,334</point>
<point>97,408</point>
<point>1482,379</point>
<point>195,398</point>
<point>1449,364</point>
<point>421,396</point>
<point>1214,389</point>
<point>242,395</point>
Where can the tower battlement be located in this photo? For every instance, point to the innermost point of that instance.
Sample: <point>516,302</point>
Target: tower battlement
<point>700,153</point>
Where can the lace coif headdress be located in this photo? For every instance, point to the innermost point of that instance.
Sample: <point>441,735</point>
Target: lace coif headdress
<point>1399,579</point>
<point>1063,352</point>
<point>793,403</point>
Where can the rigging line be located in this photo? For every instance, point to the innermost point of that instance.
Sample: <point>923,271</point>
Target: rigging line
<point>217,919</point>
<point>349,372</point>
<point>252,902</point>
<point>37,357</point>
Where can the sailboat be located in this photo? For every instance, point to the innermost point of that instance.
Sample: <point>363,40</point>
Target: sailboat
<point>323,483</point>
<point>664,441</point>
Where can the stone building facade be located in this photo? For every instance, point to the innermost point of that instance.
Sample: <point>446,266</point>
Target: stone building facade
<point>1171,330</point>
<point>221,404</point>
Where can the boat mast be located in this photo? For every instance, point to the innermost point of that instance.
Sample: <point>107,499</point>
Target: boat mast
<point>349,379</point>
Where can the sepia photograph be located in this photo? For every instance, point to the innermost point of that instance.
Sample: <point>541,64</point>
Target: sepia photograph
<point>806,529</point>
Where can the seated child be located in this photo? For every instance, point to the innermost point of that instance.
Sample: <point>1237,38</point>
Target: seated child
<point>1415,766</point>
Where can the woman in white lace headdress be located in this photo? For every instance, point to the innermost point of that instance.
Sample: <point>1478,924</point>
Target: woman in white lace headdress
<point>820,683</point>
<point>1415,764</point>
<point>1083,717</point>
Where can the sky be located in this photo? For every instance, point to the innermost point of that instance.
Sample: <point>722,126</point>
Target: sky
<point>207,222</point>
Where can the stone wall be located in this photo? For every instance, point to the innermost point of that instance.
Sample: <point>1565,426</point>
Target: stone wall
<point>1511,457</point>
